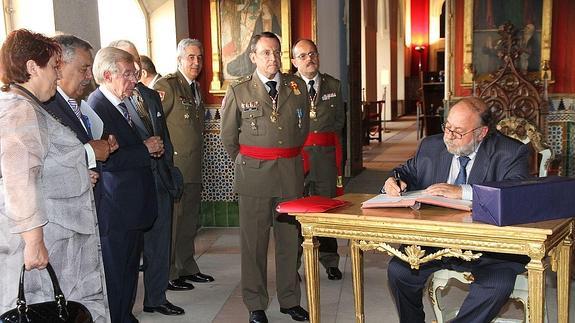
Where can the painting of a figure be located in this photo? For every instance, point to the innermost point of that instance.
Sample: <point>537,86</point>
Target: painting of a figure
<point>525,15</point>
<point>239,21</point>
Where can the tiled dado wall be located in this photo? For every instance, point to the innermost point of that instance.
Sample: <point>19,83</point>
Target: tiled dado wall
<point>219,203</point>
<point>561,131</point>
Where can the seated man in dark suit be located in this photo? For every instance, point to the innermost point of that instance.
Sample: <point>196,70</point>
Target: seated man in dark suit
<point>128,203</point>
<point>468,152</point>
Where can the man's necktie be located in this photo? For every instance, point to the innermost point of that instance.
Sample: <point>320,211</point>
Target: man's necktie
<point>194,91</point>
<point>84,119</point>
<point>462,176</point>
<point>273,91</point>
<point>312,91</point>
<point>143,112</point>
<point>125,113</point>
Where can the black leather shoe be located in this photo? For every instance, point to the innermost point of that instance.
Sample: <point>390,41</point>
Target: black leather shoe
<point>297,313</point>
<point>179,284</point>
<point>198,278</point>
<point>258,317</point>
<point>166,309</point>
<point>333,273</point>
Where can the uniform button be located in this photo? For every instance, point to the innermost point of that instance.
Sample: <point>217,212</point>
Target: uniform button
<point>280,128</point>
<point>175,152</point>
<point>243,163</point>
<point>280,142</point>
<point>315,131</point>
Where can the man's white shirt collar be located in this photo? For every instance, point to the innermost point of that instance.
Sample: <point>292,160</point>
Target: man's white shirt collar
<point>264,79</point>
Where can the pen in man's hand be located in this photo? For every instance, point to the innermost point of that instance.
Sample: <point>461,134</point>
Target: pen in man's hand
<point>397,181</point>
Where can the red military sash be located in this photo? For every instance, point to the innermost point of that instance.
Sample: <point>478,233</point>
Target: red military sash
<point>326,139</point>
<point>269,153</point>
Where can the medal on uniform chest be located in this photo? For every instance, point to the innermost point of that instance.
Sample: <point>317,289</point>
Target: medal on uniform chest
<point>275,114</point>
<point>313,109</point>
<point>187,103</point>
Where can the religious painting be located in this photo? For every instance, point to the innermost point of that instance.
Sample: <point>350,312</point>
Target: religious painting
<point>236,22</point>
<point>531,19</point>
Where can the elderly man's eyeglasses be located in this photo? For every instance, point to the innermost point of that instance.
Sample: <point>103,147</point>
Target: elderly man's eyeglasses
<point>129,75</point>
<point>455,134</point>
<point>303,56</point>
<point>270,53</point>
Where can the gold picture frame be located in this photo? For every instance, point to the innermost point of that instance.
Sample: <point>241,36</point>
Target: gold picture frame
<point>470,32</point>
<point>231,32</point>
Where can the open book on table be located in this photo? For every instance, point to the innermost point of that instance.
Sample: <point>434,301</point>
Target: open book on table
<point>412,198</point>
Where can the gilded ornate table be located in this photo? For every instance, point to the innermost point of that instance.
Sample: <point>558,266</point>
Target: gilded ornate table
<point>451,230</point>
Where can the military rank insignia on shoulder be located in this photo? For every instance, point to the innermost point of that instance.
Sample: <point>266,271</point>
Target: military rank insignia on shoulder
<point>241,80</point>
<point>170,76</point>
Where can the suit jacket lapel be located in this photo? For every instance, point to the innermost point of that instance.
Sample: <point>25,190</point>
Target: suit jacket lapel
<point>445,159</point>
<point>136,119</point>
<point>481,163</point>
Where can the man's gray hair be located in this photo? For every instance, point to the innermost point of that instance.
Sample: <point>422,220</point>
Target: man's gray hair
<point>184,43</point>
<point>106,60</point>
<point>69,44</point>
<point>122,43</point>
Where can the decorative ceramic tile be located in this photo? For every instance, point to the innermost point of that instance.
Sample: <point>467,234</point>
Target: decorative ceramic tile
<point>218,168</point>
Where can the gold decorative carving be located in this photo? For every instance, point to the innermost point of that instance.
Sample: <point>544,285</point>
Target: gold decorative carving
<point>414,255</point>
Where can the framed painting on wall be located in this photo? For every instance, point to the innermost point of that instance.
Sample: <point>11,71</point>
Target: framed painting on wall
<point>233,23</point>
<point>531,19</point>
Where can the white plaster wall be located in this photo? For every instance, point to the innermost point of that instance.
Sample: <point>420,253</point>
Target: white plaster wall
<point>329,19</point>
<point>82,23</point>
<point>163,35</point>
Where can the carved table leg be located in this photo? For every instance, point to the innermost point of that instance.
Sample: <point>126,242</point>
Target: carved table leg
<point>535,274</point>
<point>357,276</point>
<point>564,254</point>
<point>311,256</point>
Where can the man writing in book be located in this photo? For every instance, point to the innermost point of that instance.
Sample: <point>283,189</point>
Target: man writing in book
<point>468,152</point>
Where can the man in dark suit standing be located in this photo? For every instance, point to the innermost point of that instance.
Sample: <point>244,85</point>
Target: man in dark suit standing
<point>67,105</point>
<point>469,152</point>
<point>128,203</point>
<point>145,109</point>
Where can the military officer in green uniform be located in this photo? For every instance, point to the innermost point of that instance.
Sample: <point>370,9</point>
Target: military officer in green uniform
<point>322,150</point>
<point>265,121</point>
<point>184,110</point>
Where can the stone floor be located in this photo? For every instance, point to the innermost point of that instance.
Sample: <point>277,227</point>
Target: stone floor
<point>218,255</point>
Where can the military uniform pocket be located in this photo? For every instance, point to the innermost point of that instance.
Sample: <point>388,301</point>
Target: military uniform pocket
<point>252,122</point>
<point>248,161</point>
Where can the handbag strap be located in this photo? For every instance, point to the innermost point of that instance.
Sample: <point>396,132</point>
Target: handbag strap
<point>58,295</point>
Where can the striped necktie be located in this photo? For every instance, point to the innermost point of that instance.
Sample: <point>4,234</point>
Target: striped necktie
<point>84,119</point>
<point>125,113</point>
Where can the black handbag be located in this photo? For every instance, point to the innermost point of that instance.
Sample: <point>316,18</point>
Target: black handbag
<point>57,311</point>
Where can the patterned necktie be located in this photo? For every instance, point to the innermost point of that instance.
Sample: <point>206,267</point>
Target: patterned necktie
<point>84,119</point>
<point>462,176</point>
<point>273,91</point>
<point>125,113</point>
<point>312,92</point>
<point>143,112</point>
